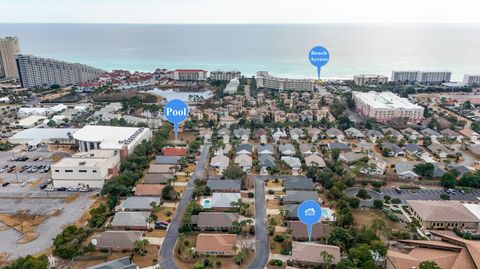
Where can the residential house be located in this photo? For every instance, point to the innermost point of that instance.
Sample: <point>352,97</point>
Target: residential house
<point>300,230</point>
<point>244,149</point>
<point>117,240</point>
<point>474,149</point>
<point>244,161</point>
<point>470,134</point>
<point>242,134</point>
<point>265,149</point>
<point>461,169</point>
<point>298,184</point>
<point>292,162</point>
<point>451,134</point>
<point>279,134</point>
<point>338,146</point>
<point>220,162</point>
<point>130,220</point>
<point>173,160</point>
<point>266,161</point>
<point>263,135</point>
<point>374,135</point>
<point>222,201</point>
<point>206,134</point>
<point>315,160</point>
<point>279,116</point>
<point>149,190</point>
<point>224,131</point>
<point>411,133</point>
<point>310,254</point>
<point>296,134</point>
<point>434,135</point>
<point>394,150</point>
<point>405,171</point>
<point>227,121</point>
<point>390,132</point>
<point>287,149</point>
<point>439,150</point>
<point>306,149</point>
<point>314,133</point>
<point>224,185</point>
<point>335,133</point>
<point>174,151</point>
<point>351,157</point>
<point>216,244</point>
<point>354,133</point>
<point>140,203</point>
<point>297,197</point>
<point>215,221</point>
<point>414,149</point>
<point>163,169</point>
<point>375,166</point>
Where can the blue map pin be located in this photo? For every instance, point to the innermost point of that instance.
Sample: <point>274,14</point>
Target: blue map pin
<point>319,57</point>
<point>176,111</point>
<point>309,212</point>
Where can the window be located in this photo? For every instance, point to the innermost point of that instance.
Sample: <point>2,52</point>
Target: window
<point>82,171</point>
<point>68,171</point>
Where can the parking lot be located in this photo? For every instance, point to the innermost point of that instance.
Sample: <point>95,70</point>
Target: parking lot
<point>32,167</point>
<point>430,194</point>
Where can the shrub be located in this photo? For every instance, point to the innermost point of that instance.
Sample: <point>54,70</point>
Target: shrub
<point>377,184</point>
<point>276,262</point>
<point>445,196</point>
<point>279,238</point>
<point>378,204</point>
<point>271,192</point>
<point>396,201</point>
<point>285,252</point>
<point>363,194</point>
<point>354,202</point>
<point>199,265</point>
<point>251,195</point>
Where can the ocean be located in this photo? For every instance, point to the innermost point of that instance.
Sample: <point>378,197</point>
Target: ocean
<point>280,49</point>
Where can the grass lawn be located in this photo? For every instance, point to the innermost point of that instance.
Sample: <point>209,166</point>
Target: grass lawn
<point>163,213</point>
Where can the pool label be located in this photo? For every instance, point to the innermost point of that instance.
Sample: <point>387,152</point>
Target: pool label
<point>319,56</point>
<point>309,212</point>
<point>176,111</point>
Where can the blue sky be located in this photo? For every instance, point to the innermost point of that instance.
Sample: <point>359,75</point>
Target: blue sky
<point>243,11</point>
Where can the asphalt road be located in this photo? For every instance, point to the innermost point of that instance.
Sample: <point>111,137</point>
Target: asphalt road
<point>262,250</point>
<point>166,252</point>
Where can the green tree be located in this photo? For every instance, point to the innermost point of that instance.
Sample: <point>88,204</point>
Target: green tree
<point>429,265</point>
<point>449,180</point>
<point>140,245</point>
<point>424,169</point>
<point>29,262</point>
<point>378,203</point>
<point>234,172</point>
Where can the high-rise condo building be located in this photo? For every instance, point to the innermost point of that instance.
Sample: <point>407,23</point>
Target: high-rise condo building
<point>222,75</point>
<point>265,80</point>
<point>366,80</point>
<point>187,74</point>
<point>9,48</point>
<point>472,80</point>
<point>422,77</point>
<point>37,72</point>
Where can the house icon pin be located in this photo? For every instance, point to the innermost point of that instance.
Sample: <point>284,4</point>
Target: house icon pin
<point>310,212</point>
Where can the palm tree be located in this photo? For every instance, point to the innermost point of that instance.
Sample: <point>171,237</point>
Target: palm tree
<point>327,259</point>
<point>140,245</point>
<point>378,225</point>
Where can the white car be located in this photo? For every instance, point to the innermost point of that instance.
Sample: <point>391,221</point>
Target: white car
<point>24,184</point>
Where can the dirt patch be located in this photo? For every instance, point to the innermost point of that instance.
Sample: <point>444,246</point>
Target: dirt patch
<point>72,197</point>
<point>166,213</point>
<point>272,183</point>
<point>25,223</point>
<point>273,204</point>
<point>28,237</point>
<point>37,182</point>
<point>365,217</point>
<point>156,233</point>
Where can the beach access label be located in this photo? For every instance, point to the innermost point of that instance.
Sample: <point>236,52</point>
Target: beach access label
<point>319,56</point>
<point>309,212</point>
<point>176,111</point>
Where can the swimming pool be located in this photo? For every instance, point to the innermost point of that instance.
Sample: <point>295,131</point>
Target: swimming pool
<point>206,203</point>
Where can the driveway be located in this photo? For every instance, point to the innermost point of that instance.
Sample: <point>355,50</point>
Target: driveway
<point>166,251</point>
<point>262,250</point>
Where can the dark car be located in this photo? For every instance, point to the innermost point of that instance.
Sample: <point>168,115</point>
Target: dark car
<point>5,184</point>
<point>161,226</point>
<point>62,189</point>
<point>43,186</point>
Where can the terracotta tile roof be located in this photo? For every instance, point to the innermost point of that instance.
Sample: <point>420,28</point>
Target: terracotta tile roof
<point>216,242</point>
<point>177,151</point>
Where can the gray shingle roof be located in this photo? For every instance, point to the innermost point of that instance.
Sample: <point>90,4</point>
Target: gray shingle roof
<point>224,184</point>
<point>167,159</point>
<point>122,263</point>
<point>140,203</point>
<point>264,149</point>
<point>130,219</point>
<point>300,196</point>
<point>267,160</point>
<point>303,183</point>
<point>246,147</point>
<point>118,239</point>
<point>216,219</point>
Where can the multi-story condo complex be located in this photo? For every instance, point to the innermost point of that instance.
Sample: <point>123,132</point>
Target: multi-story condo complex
<point>188,74</point>
<point>264,80</point>
<point>429,77</point>
<point>386,106</point>
<point>222,75</point>
<point>472,80</point>
<point>9,48</point>
<point>37,72</point>
<point>365,80</point>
